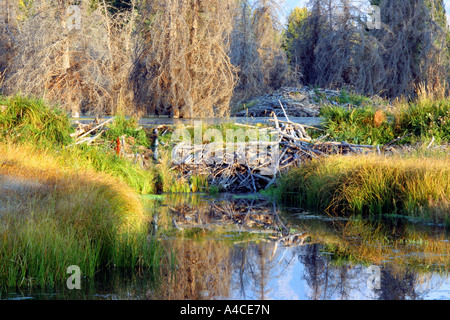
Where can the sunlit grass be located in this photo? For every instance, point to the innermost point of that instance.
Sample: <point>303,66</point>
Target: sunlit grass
<point>101,159</point>
<point>31,120</point>
<point>55,216</point>
<point>373,185</point>
<point>421,120</point>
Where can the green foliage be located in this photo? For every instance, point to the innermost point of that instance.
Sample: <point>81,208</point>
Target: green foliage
<point>199,183</point>
<point>371,125</point>
<point>103,160</point>
<point>351,98</point>
<point>296,18</point>
<point>129,127</point>
<point>31,120</point>
<point>356,125</point>
<point>426,119</point>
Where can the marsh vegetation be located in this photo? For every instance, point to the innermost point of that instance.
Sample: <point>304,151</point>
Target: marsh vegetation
<point>370,185</point>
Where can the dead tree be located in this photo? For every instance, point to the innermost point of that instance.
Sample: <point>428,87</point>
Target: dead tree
<point>257,49</point>
<point>82,67</point>
<point>245,56</point>
<point>181,64</point>
<point>336,48</point>
<point>410,45</point>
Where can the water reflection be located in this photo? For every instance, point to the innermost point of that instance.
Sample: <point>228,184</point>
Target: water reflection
<point>255,272</point>
<point>217,263</point>
<point>412,258</point>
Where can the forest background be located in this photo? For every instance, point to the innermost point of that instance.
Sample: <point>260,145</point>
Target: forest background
<point>190,58</point>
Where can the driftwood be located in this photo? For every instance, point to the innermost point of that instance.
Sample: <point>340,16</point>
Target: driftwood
<point>90,132</point>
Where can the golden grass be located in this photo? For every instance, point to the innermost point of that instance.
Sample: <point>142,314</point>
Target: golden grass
<point>54,216</point>
<point>417,186</point>
<point>32,164</point>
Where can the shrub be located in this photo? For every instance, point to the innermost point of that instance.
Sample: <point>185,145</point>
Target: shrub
<point>422,120</point>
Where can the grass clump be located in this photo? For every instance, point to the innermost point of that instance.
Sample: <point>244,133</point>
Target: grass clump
<point>101,159</point>
<point>63,205</point>
<point>344,98</point>
<point>54,216</point>
<point>372,185</point>
<point>358,125</point>
<point>31,120</point>
<point>129,127</point>
<point>425,118</point>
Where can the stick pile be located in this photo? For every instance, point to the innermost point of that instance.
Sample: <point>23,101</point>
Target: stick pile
<point>89,133</point>
<point>242,167</point>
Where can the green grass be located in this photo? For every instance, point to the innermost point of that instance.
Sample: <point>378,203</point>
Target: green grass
<point>28,120</point>
<point>31,120</point>
<point>121,126</point>
<point>102,159</point>
<point>357,125</point>
<point>344,98</point>
<point>421,120</point>
<point>85,210</point>
<point>73,217</point>
<point>371,185</point>
<point>425,119</point>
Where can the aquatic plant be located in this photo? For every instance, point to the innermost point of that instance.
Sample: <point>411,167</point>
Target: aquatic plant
<point>371,185</point>
<point>56,216</point>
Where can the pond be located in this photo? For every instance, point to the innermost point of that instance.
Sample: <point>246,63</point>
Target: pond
<point>248,248</point>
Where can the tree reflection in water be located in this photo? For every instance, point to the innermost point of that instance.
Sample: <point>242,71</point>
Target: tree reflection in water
<point>259,270</point>
<point>252,272</point>
<point>413,258</point>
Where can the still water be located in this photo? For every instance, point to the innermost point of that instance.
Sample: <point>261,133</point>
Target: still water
<point>234,247</point>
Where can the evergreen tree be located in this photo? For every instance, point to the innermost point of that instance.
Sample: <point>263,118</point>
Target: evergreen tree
<point>294,24</point>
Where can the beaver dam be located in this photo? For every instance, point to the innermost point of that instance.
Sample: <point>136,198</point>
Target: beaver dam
<point>213,223</point>
<point>251,160</point>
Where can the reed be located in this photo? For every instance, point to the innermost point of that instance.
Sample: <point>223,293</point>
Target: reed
<point>372,185</point>
<point>55,216</point>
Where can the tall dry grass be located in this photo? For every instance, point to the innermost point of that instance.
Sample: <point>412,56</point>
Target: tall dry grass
<point>374,185</point>
<point>54,216</point>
